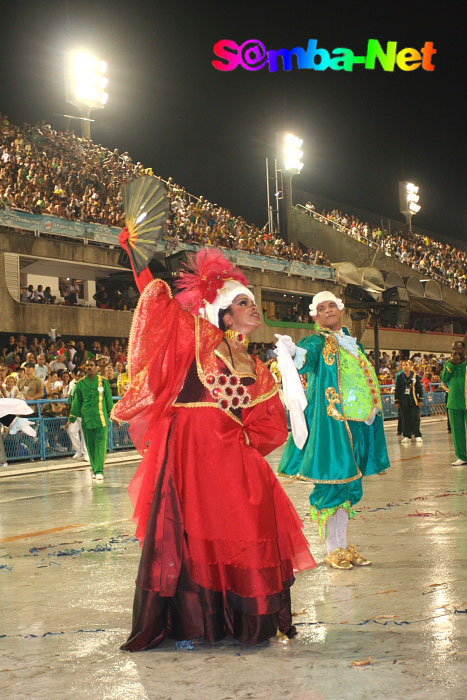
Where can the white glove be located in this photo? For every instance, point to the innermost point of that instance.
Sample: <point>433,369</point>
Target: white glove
<point>286,342</point>
<point>294,396</point>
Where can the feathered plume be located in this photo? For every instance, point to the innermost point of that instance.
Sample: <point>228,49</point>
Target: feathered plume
<point>205,275</point>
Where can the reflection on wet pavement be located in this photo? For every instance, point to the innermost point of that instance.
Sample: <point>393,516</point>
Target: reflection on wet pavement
<point>68,560</point>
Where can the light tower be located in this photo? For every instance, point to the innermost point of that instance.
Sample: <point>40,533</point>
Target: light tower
<point>85,85</point>
<point>408,201</point>
<point>292,155</point>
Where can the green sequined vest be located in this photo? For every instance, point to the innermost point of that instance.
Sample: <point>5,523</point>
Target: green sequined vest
<point>359,385</point>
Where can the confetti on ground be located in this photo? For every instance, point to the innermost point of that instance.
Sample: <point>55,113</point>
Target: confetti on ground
<point>364,662</point>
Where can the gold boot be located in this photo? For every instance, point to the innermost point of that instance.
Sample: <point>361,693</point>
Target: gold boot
<point>281,638</point>
<point>356,558</point>
<point>339,559</point>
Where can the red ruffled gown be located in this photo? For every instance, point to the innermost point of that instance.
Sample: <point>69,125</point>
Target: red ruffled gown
<point>220,537</point>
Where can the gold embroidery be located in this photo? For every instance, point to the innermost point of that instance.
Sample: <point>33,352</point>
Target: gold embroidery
<point>330,349</point>
<point>206,404</point>
<point>333,398</point>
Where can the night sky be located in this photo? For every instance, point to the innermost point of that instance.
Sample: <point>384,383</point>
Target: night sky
<point>363,130</point>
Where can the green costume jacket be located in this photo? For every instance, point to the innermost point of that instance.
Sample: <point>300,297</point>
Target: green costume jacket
<point>341,389</point>
<point>454,377</point>
<point>92,401</point>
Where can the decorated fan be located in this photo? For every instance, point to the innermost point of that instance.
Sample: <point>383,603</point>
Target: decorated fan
<point>146,206</point>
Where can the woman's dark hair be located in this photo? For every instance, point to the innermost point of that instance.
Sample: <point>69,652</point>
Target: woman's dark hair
<point>221,315</point>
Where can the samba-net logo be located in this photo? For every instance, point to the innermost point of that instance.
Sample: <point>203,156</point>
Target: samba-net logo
<point>252,55</point>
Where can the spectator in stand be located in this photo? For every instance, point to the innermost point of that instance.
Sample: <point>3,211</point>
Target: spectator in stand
<point>101,297</point>
<point>82,355</point>
<point>73,292</point>
<point>31,386</point>
<point>49,298</point>
<point>3,373</point>
<point>65,379</point>
<point>109,374</point>
<point>41,370</point>
<point>120,356</point>
<point>102,363</point>
<point>39,297</point>
<point>123,380</point>
<point>57,362</point>
<point>9,389</point>
<point>442,261</point>
<point>53,383</point>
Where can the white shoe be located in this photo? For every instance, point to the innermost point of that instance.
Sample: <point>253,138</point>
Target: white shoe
<point>99,477</point>
<point>4,464</point>
<point>419,440</point>
<point>77,455</point>
<point>457,463</point>
<point>405,441</point>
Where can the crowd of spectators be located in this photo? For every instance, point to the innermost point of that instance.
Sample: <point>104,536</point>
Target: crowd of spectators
<point>200,222</point>
<point>428,366</point>
<point>441,261</point>
<point>47,368</point>
<point>45,171</point>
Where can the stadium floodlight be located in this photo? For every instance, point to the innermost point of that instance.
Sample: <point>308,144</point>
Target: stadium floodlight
<point>408,200</point>
<point>293,154</point>
<point>85,85</point>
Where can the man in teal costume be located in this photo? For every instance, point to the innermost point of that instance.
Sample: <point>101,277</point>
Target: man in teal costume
<point>92,401</point>
<point>345,426</point>
<point>454,376</point>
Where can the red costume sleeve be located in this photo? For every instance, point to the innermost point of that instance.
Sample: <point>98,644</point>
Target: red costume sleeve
<point>161,350</point>
<point>266,425</point>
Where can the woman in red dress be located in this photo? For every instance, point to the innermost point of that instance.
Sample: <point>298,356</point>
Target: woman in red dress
<point>221,539</point>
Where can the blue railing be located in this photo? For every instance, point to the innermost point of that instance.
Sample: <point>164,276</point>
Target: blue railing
<point>51,437</point>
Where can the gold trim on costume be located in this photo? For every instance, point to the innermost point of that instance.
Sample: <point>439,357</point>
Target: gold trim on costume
<point>234,371</point>
<point>300,477</point>
<point>333,398</point>
<point>330,349</point>
<point>207,404</point>
<point>101,400</point>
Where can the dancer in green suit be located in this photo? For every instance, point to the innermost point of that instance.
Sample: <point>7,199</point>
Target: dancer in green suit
<point>92,401</point>
<point>345,426</point>
<point>453,376</point>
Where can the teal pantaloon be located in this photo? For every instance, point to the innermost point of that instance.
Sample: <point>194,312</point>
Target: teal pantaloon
<point>457,419</point>
<point>333,495</point>
<point>96,442</point>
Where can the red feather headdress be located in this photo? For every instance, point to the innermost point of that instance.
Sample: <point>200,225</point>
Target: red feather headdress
<point>204,277</point>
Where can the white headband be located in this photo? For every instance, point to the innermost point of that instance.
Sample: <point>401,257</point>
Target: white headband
<point>225,297</point>
<point>324,296</point>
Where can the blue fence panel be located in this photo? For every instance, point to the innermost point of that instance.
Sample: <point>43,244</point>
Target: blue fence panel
<point>51,439</point>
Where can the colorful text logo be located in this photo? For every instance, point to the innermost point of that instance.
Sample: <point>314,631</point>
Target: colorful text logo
<point>252,55</point>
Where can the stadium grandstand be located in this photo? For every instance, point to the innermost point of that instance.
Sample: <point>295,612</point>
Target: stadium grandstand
<point>61,213</point>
